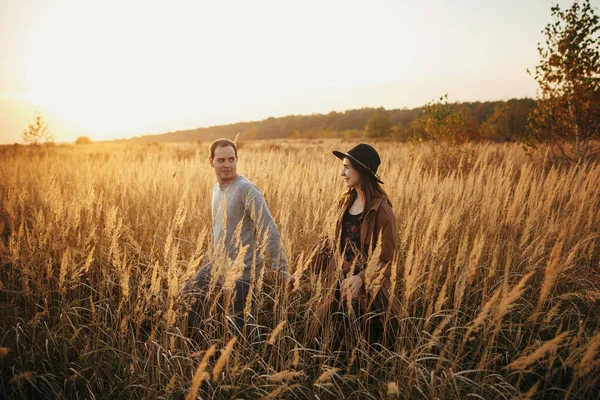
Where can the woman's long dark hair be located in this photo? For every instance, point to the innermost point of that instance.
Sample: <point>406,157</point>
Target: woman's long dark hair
<point>370,187</point>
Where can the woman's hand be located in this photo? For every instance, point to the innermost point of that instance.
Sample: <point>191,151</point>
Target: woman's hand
<point>352,285</point>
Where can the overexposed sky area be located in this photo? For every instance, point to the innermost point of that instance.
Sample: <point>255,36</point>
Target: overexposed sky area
<point>110,69</point>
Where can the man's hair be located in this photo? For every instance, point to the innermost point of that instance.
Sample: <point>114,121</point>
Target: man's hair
<point>221,143</point>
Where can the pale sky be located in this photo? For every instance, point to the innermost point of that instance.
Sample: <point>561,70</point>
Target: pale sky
<point>110,69</point>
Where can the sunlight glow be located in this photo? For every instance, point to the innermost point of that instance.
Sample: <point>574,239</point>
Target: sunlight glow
<point>117,69</point>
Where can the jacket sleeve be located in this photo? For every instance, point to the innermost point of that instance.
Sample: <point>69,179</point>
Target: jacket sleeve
<point>266,229</point>
<point>387,235</point>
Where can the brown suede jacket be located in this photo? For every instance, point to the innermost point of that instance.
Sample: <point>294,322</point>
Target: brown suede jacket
<point>378,223</point>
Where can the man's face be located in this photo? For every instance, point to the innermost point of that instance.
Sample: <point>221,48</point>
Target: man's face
<point>225,163</point>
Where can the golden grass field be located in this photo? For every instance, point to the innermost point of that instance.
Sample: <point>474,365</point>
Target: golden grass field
<point>498,276</point>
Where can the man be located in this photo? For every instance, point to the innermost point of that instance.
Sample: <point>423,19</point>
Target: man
<point>242,225</point>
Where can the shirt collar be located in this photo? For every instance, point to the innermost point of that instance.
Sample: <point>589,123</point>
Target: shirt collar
<point>376,204</point>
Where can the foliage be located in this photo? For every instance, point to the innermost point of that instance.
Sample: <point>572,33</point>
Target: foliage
<point>567,116</point>
<point>83,140</point>
<point>443,127</point>
<point>497,124</point>
<point>379,124</point>
<point>352,123</point>
<point>37,132</point>
<point>441,121</point>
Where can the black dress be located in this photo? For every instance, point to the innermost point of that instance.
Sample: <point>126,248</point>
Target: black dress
<point>350,241</point>
<point>351,237</point>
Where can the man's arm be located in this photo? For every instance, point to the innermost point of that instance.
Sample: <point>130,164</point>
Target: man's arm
<point>266,229</point>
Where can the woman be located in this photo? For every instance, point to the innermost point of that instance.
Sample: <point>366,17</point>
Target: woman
<point>365,222</point>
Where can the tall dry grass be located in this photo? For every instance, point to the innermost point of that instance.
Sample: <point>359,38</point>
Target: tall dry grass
<point>498,276</point>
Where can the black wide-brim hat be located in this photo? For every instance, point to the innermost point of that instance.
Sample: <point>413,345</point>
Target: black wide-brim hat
<point>364,158</point>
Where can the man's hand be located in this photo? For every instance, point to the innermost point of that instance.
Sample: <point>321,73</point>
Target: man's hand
<point>352,285</point>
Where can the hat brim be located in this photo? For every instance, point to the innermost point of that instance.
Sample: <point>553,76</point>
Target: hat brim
<point>357,164</point>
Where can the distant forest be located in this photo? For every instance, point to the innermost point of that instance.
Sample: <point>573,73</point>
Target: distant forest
<point>492,120</point>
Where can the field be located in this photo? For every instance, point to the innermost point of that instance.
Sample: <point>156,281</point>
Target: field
<point>498,274</point>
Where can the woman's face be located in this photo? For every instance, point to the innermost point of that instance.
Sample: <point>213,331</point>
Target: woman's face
<point>351,174</point>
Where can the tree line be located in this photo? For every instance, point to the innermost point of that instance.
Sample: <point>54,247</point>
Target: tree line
<point>492,120</point>
<point>564,118</point>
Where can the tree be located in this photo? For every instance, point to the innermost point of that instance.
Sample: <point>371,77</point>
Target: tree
<point>38,131</point>
<point>252,133</point>
<point>567,114</point>
<point>497,125</point>
<point>379,124</point>
<point>441,122</point>
<point>83,140</point>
